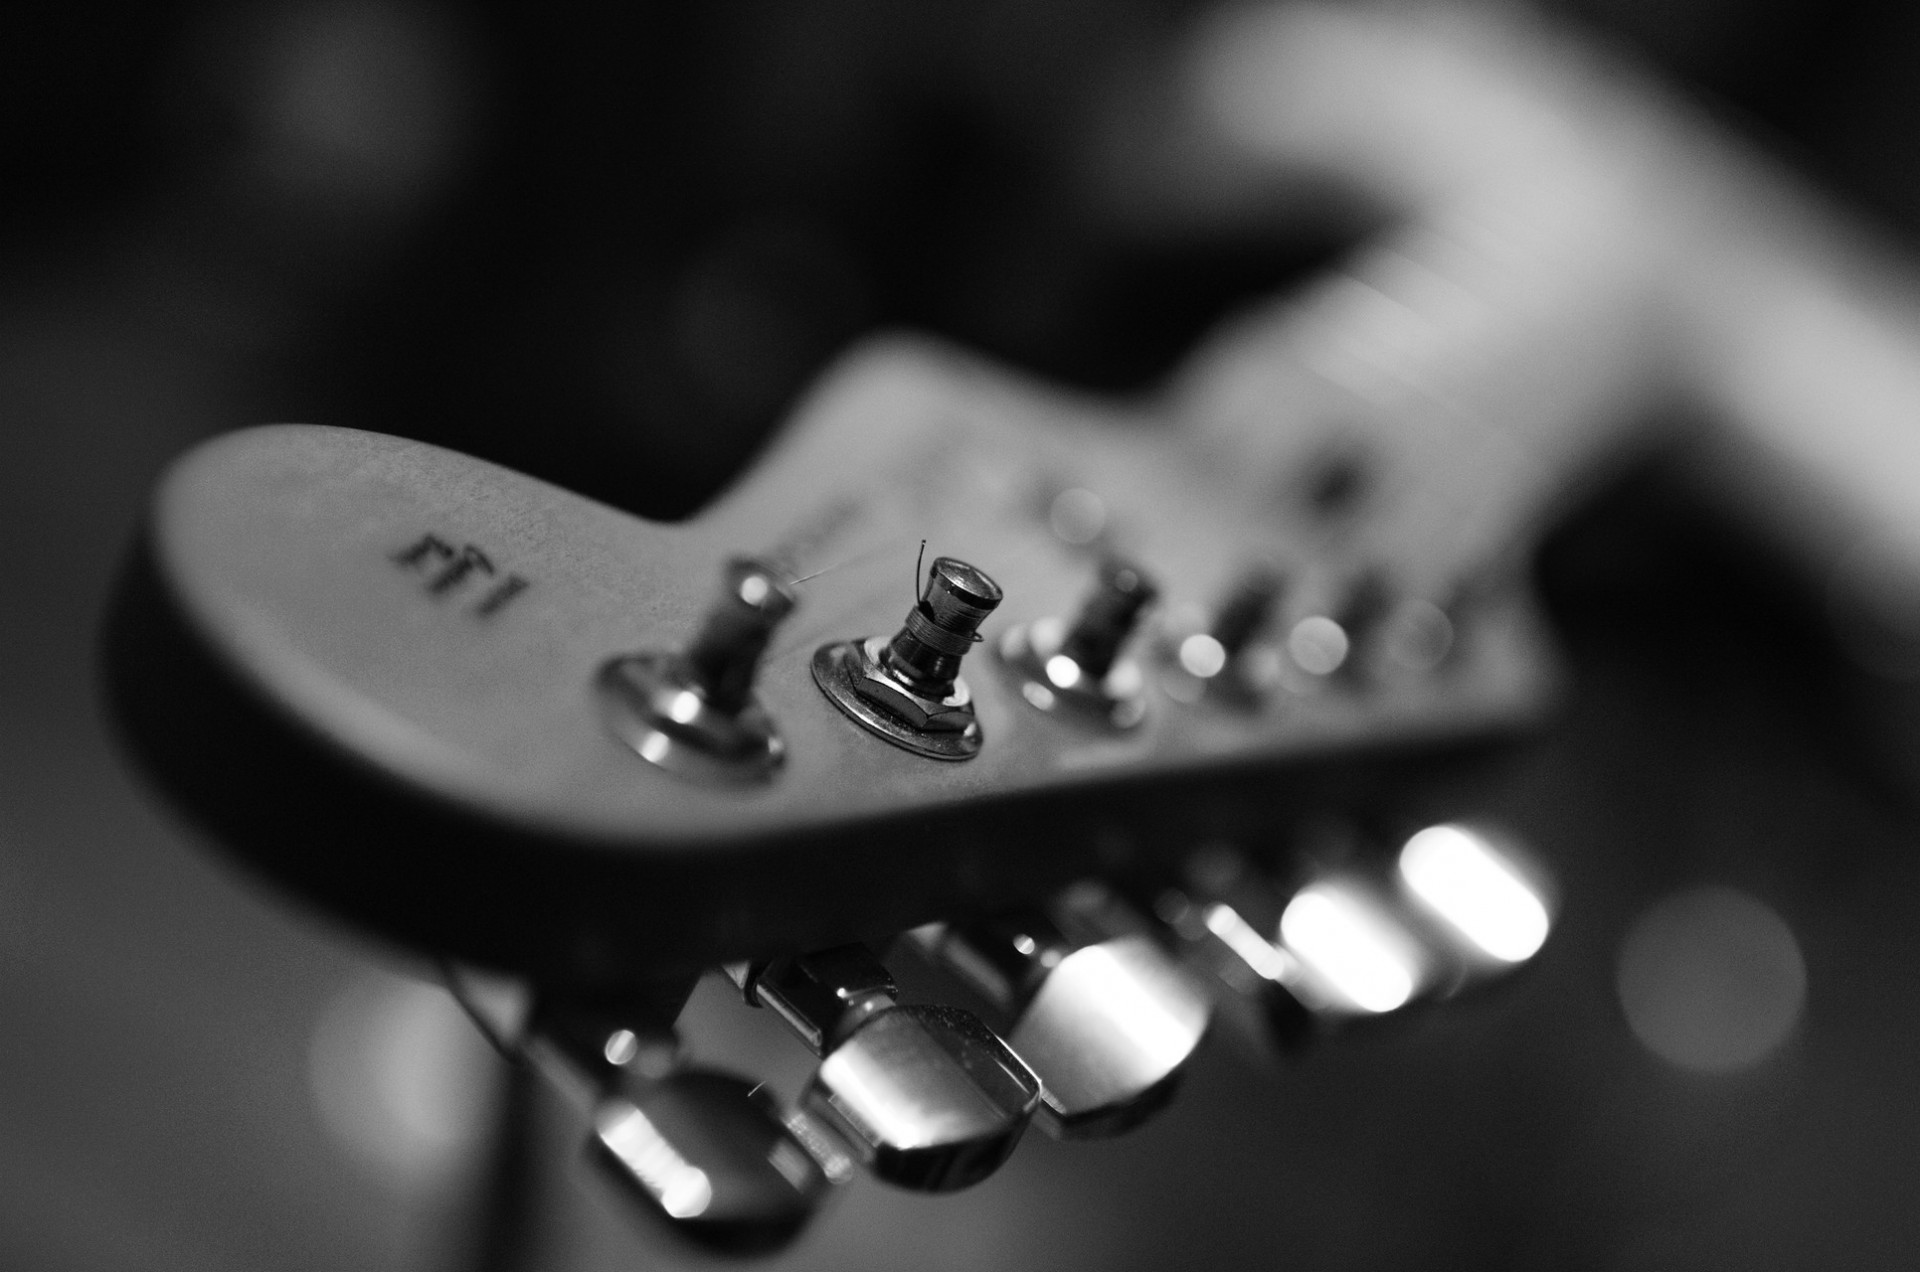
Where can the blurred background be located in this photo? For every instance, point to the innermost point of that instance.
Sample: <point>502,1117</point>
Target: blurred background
<point>608,246</point>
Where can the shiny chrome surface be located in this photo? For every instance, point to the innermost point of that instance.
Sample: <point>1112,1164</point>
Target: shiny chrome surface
<point>908,689</point>
<point>1109,1031</point>
<point>1052,680</point>
<point>694,713</point>
<point>850,673</point>
<point>708,1153</point>
<point>928,1096</point>
<point>1078,668</point>
<point>711,1153</point>
<point>652,703</point>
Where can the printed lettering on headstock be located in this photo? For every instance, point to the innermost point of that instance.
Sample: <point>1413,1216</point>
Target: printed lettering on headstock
<point>464,572</point>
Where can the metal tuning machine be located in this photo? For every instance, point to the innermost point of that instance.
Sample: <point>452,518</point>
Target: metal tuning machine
<point>1108,1021</point>
<point>929,1097</point>
<point>1224,916</point>
<point>707,1152</point>
<point>1078,669</point>
<point>693,712</point>
<point>908,689</point>
<point>1457,907</point>
<point>1225,660</point>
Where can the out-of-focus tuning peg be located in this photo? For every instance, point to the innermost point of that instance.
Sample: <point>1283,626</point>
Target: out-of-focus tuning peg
<point>1356,953</point>
<point>1078,667</point>
<point>1457,907</point>
<point>928,1097</point>
<point>1334,625</point>
<point>1222,659</point>
<point>708,1152</point>
<point>1108,1024</point>
<point>693,712</point>
<point>1479,893</point>
<point>1224,918</point>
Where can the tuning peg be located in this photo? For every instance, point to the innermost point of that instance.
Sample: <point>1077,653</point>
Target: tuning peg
<point>1107,1025</point>
<point>908,689</point>
<point>693,712</point>
<point>1295,964</point>
<point>1457,907</point>
<point>1224,921</point>
<point>1482,895</point>
<point>708,1152</point>
<point>1336,621</point>
<point>1222,659</point>
<point>1078,667</point>
<point>929,1097</point>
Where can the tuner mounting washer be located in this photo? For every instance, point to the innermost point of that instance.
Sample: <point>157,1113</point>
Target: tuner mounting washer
<point>851,675</point>
<point>654,705</point>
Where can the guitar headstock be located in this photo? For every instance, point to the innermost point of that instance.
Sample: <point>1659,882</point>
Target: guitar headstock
<point>495,721</point>
<point>385,669</point>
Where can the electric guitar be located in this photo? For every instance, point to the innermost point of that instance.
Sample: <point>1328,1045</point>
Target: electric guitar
<point>548,741</point>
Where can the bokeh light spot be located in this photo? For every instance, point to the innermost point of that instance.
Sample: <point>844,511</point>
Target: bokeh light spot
<point>1711,980</point>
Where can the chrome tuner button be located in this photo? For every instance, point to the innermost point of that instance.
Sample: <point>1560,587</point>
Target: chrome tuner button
<point>1476,894</point>
<point>908,689</point>
<point>707,1152</point>
<point>693,712</point>
<point>711,1153</point>
<point>928,1097</point>
<point>1077,668</point>
<point>1108,1026</point>
<point>1458,907</point>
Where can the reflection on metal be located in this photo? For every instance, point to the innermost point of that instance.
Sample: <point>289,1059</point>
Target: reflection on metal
<point>1258,953</point>
<point>651,705</point>
<point>1109,1032</point>
<point>1459,874</point>
<point>1107,1022</point>
<point>712,1153</point>
<point>927,1097</point>
<point>680,1188</point>
<point>694,713</point>
<point>622,1046</point>
<point>1351,945</point>
<point>1202,655</point>
<point>908,690</point>
<point>1051,680</point>
<point>1318,645</point>
<point>1078,667</point>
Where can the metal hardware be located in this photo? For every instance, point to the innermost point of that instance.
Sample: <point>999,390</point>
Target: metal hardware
<point>1224,661</point>
<point>1224,919</point>
<point>693,713</point>
<point>908,689</point>
<point>1108,1025</point>
<point>1078,669</point>
<point>929,1098</point>
<point>708,1152</point>
<point>1332,634</point>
